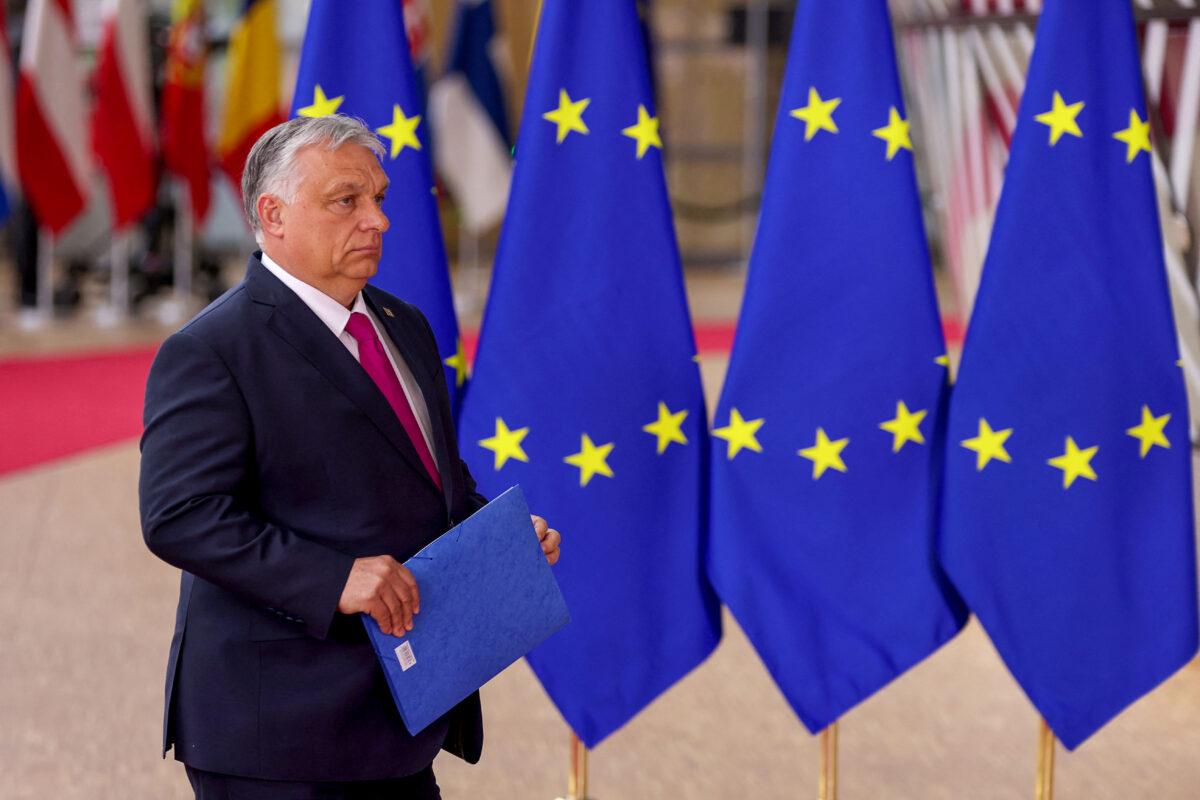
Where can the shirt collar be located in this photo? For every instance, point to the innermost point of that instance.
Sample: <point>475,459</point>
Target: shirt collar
<point>329,311</point>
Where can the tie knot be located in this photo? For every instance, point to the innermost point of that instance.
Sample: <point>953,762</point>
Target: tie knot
<point>360,327</point>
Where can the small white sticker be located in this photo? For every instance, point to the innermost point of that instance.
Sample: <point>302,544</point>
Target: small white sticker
<point>404,655</point>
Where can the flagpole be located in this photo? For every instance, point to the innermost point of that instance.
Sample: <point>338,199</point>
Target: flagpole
<point>44,312</point>
<point>471,297</point>
<point>181,301</point>
<point>118,281</point>
<point>577,777</point>
<point>45,272</point>
<point>1044,785</point>
<point>827,781</point>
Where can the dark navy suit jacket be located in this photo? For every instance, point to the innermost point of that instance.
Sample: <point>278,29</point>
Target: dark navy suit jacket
<point>270,461</point>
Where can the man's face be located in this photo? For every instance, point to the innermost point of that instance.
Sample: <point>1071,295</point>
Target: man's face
<point>332,230</point>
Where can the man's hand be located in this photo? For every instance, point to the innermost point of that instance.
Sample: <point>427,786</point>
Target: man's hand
<point>549,538</point>
<point>384,588</point>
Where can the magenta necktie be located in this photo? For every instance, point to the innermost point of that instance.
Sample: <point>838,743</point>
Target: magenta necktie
<point>374,360</point>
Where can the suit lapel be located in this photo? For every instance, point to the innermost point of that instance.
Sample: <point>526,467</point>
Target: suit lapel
<point>296,324</point>
<point>408,347</point>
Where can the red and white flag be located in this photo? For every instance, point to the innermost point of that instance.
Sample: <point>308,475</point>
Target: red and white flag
<point>51,115</point>
<point>123,117</point>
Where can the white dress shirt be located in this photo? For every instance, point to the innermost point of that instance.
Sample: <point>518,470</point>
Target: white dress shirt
<point>335,316</point>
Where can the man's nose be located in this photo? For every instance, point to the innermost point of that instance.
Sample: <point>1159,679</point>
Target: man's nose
<point>375,219</point>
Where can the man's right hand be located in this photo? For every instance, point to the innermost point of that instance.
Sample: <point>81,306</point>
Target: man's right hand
<point>384,588</point>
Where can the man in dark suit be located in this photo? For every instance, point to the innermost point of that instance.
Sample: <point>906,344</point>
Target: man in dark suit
<point>299,446</point>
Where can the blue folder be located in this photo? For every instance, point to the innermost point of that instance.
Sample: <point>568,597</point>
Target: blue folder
<point>487,598</point>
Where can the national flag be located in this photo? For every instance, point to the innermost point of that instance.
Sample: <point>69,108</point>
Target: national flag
<point>51,116</point>
<point>252,103</point>
<point>829,427</point>
<point>470,124</point>
<point>8,157</point>
<point>586,392</point>
<point>1068,495</point>
<point>123,116</point>
<point>354,61</point>
<point>185,151</point>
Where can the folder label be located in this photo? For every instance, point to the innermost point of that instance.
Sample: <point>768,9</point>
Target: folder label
<point>404,655</point>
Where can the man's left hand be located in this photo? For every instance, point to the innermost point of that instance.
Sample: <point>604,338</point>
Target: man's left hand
<point>549,538</point>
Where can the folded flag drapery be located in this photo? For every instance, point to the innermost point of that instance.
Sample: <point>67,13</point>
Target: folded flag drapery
<point>829,428</point>
<point>1068,505</point>
<point>585,390</point>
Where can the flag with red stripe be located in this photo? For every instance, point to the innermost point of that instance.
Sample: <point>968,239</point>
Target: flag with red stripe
<point>51,116</point>
<point>122,118</point>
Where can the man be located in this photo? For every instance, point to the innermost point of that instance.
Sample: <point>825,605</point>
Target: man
<point>299,446</point>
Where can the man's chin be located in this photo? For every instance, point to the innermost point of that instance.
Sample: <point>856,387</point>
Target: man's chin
<point>361,263</point>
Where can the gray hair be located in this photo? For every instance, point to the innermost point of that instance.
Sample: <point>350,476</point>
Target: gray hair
<point>270,167</point>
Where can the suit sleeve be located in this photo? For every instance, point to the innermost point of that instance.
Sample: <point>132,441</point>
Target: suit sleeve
<point>196,488</point>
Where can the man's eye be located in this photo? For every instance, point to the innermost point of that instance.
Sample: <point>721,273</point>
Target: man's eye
<point>345,201</point>
<point>379,198</point>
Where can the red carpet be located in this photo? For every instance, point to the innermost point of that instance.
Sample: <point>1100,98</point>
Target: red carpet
<point>55,406</point>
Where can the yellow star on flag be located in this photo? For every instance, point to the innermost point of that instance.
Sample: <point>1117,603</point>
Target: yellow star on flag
<point>506,444</point>
<point>988,445</point>
<point>591,460</point>
<point>645,132</point>
<point>1136,137</point>
<point>1150,431</point>
<point>739,434</point>
<point>1061,119</point>
<point>1075,463</point>
<point>895,133</point>
<point>825,454</point>
<point>568,116</point>
<point>322,106</point>
<point>944,362</point>
<point>458,362</point>
<point>817,115</point>
<point>667,427</point>
<point>905,427</point>
<point>402,131</point>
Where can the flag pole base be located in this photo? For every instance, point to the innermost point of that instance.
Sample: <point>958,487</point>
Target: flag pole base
<point>1044,785</point>
<point>577,778</point>
<point>827,781</point>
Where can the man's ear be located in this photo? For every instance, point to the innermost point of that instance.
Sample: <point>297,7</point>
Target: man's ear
<point>270,214</point>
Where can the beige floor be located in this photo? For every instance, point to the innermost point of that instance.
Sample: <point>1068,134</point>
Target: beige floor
<point>86,614</point>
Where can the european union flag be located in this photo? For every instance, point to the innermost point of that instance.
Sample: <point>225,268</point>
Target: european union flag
<point>831,418</point>
<point>586,391</point>
<point>355,61</point>
<point>1068,511</point>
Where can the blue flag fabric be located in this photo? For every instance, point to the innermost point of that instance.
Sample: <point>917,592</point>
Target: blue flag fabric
<point>828,430</point>
<point>355,61</point>
<point>470,55</point>
<point>585,390</point>
<point>1067,510</point>
<point>4,208</point>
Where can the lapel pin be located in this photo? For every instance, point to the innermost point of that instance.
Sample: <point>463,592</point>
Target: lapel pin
<point>388,311</point>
